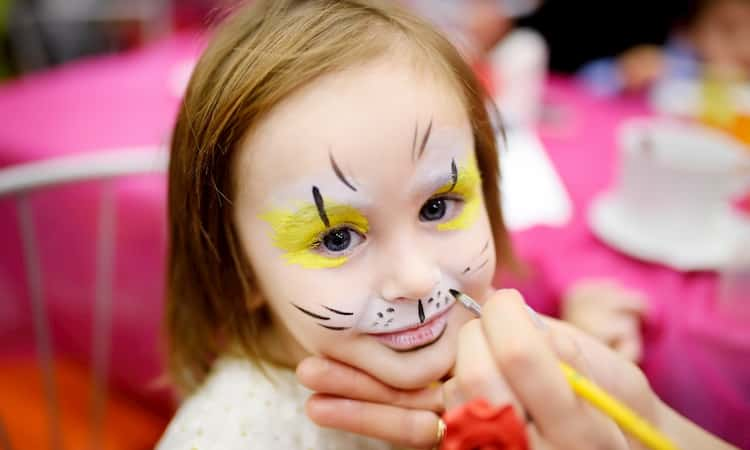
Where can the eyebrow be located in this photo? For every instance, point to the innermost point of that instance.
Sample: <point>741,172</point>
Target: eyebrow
<point>339,173</point>
<point>318,199</point>
<point>424,140</point>
<point>433,182</point>
<point>454,174</point>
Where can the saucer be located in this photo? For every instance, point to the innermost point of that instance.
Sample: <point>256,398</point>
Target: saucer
<point>610,223</point>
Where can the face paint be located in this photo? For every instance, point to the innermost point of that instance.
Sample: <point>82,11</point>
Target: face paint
<point>403,326</point>
<point>481,261</point>
<point>466,183</point>
<point>300,233</point>
<point>378,165</point>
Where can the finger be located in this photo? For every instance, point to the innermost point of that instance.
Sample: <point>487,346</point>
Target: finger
<point>331,377</point>
<point>532,370</point>
<point>630,345</point>
<point>477,374</point>
<point>613,327</point>
<point>629,301</point>
<point>452,395</point>
<point>400,426</point>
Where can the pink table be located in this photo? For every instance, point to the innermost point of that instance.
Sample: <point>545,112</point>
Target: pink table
<point>698,360</point>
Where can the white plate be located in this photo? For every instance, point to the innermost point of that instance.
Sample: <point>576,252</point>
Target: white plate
<point>610,224</point>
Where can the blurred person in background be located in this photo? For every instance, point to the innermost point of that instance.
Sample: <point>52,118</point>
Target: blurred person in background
<point>711,40</point>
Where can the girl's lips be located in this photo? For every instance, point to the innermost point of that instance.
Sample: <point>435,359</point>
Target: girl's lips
<point>416,337</point>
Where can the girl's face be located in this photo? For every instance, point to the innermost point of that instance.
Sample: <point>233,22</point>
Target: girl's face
<point>359,205</point>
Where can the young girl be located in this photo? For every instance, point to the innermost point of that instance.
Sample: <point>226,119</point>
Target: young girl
<point>333,174</point>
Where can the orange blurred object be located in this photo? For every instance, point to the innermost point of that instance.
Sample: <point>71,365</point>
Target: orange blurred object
<point>24,410</point>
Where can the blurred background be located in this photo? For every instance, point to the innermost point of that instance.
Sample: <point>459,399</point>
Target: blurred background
<point>626,177</point>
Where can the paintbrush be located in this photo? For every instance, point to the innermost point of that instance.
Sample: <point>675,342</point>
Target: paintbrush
<point>625,417</point>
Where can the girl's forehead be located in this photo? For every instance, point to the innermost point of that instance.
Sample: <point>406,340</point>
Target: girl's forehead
<point>381,121</point>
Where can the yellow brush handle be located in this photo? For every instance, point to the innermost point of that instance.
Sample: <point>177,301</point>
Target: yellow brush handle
<point>621,414</point>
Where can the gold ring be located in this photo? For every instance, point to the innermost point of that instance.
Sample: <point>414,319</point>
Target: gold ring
<point>442,430</point>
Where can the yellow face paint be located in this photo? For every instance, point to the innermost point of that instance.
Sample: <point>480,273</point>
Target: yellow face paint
<point>468,186</point>
<point>298,233</point>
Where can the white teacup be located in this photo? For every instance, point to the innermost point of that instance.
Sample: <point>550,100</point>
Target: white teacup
<point>677,178</point>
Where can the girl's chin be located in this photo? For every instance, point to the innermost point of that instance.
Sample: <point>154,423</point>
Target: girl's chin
<point>417,369</point>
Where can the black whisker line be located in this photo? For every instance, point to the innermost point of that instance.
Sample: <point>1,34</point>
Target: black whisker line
<point>466,269</point>
<point>424,140</point>
<point>338,312</point>
<point>486,246</point>
<point>321,207</point>
<point>421,312</point>
<point>479,267</point>
<point>414,141</point>
<point>454,175</point>
<point>311,314</point>
<point>339,173</point>
<point>334,328</point>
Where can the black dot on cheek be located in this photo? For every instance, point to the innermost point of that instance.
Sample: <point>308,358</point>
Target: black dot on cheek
<point>390,310</point>
<point>380,314</point>
<point>437,305</point>
<point>430,300</point>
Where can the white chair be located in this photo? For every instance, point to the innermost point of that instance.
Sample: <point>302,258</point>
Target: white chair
<point>19,182</point>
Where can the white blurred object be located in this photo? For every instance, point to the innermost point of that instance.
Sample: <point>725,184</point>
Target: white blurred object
<point>531,190</point>
<point>684,97</point>
<point>672,201</point>
<point>519,67</point>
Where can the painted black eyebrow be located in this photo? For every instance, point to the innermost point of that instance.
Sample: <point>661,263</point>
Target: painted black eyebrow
<point>311,314</point>
<point>321,207</point>
<point>454,174</point>
<point>338,312</point>
<point>334,328</point>
<point>339,173</point>
<point>414,140</point>
<point>424,140</point>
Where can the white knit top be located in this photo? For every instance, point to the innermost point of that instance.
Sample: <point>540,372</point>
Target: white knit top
<point>239,408</point>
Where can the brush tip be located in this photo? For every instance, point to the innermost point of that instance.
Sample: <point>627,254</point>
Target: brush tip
<point>454,292</point>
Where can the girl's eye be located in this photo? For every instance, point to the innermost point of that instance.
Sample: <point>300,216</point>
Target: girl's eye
<point>440,209</point>
<point>339,240</point>
<point>433,210</point>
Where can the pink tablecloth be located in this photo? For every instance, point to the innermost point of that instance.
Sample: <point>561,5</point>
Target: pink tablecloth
<point>697,359</point>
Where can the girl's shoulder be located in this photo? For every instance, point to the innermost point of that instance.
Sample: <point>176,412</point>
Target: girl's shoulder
<point>242,405</point>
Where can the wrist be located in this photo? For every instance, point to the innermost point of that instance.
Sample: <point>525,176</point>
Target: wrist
<point>685,434</point>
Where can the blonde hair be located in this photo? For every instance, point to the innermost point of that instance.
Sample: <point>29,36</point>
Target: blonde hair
<point>258,57</point>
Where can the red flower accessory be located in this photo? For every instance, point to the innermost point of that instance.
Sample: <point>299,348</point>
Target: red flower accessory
<point>479,425</point>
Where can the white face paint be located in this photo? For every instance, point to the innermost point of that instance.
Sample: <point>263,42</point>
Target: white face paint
<point>359,206</point>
